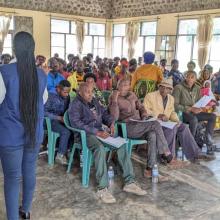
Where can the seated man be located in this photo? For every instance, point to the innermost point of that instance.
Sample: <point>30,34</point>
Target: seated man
<point>186,95</point>
<point>55,108</point>
<point>87,114</point>
<point>54,76</point>
<point>124,106</point>
<point>160,104</point>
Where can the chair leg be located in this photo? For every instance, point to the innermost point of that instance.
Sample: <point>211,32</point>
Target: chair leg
<point>85,170</point>
<point>50,151</point>
<point>71,159</point>
<point>129,148</point>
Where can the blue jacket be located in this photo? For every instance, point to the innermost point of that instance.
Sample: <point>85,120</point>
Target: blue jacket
<point>11,129</point>
<point>53,79</point>
<point>56,106</point>
<point>81,116</point>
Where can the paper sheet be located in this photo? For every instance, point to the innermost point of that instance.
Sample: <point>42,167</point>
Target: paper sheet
<point>115,142</point>
<point>168,124</point>
<point>151,119</point>
<point>203,102</point>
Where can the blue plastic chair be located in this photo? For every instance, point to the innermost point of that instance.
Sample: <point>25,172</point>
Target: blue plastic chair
<point>131,142</point>
<point>87,154</point>
<point>52,140</point>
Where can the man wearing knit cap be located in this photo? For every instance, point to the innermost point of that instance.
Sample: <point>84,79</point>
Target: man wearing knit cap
<point>146,77</point>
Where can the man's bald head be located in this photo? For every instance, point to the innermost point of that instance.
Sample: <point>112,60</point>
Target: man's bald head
<point>86,91</point>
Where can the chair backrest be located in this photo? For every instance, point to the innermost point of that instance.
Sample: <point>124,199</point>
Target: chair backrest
<point>48,123</point>
<point>66,120</point>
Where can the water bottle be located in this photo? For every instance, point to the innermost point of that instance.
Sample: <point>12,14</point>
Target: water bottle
<point>81,159</point>
<point>204,148</point>
<point>110,173</point>
<point>155,174</point>
<point>180,154</point>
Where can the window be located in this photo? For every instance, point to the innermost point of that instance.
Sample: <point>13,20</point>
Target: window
<point>94,41</point>
<point>187,48</point>
<point>146,39</point>
<point>7,47</point>
<point>214,59</point>
<point>120,45</point>
<point>63,38</point>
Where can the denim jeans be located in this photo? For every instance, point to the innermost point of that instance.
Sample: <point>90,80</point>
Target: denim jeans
<point>64,135</point>
<point>18,164</point>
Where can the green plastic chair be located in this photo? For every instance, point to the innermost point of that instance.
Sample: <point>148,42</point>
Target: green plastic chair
<point>131,142</point>
<point>87,154</point>
<point>52,140</point>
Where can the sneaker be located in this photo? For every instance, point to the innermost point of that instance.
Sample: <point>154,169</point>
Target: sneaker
<point>106,196</point>
<point>61,159</point>
<point>134,188</point>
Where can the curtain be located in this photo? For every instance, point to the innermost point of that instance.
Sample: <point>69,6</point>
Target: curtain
<point>80,35</point>
<point>204,37</point>
<point>132,33</point>
<point>4,27</point>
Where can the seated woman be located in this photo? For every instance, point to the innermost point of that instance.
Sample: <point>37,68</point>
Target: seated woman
<point>161,105</point>
<point>124,106</point>
<point>186,95</point>
<point>91,79</point>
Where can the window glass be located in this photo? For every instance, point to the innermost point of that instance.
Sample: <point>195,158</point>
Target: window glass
<point>96,29</point>
<point>188,26</point>
<point>119,29</point>
<point>60,26</point>
<point>149,28</point>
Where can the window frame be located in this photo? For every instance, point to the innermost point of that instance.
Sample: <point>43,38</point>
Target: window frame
<point>61,33</point>
<point>87,26</point>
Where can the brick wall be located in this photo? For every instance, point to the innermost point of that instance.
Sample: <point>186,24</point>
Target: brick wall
<point>90,8</point>
<point>133,8</point>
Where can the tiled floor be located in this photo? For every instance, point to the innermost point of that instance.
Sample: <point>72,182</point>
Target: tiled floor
<point>190,193</point>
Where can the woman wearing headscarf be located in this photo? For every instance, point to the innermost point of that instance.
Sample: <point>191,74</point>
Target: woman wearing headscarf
<point>22,86</point>
<point>205,74</point>
<point>147,76</point>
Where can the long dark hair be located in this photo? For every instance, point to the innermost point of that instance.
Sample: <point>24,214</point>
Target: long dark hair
<point>24,47</point>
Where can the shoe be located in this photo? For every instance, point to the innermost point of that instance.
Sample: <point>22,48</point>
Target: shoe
<point>24,215</point>
<point>134,188</point>
<point>106,196</point>
<point>61,159</point>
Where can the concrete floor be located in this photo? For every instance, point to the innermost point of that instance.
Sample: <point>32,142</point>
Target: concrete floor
<point>191,193</point>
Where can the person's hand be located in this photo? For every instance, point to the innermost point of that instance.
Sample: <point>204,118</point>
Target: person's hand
<point>60,118</point>
<point>195,110</point>
<point>138,105</point>
<point>115,95</point>
<point>163,117</point>
<point>102,134</point>
<point>112,129</point>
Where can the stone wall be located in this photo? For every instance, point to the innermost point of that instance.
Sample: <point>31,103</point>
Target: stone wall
<point>90,8</point>
<point>134,8</point>
<point>112,8</point>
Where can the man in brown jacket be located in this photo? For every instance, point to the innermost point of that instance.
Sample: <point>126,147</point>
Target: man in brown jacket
<point>124,106</point>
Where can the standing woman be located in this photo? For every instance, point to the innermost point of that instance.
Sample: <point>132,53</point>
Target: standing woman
<point>22,86</point>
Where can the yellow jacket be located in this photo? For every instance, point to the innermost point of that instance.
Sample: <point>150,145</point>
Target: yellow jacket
<point>153,104</point>
<point>73,81</point>
<point>148,72</point>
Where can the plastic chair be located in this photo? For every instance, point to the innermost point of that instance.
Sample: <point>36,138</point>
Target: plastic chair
<point>52,140</point>
<point>131,142</point>
<point>87,154</point>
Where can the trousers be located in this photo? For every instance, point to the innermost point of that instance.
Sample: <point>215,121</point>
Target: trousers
<point>18,164</point>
